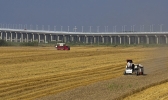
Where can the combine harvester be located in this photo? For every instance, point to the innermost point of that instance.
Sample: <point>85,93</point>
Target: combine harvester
<point>62,46</point>
<point>132,68</point>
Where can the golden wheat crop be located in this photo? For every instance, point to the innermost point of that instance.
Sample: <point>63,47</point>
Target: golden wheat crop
<point>32,72</point>
<point>159,92</point>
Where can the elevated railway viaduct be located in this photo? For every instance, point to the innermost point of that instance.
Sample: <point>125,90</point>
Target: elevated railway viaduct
<point>19,35</point>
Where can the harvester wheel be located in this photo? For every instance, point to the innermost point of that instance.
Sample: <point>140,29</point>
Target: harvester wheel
<point>124,73</point>
<point>137,73</point>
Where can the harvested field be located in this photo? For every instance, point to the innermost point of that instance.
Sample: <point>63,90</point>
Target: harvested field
<point>30,73</point>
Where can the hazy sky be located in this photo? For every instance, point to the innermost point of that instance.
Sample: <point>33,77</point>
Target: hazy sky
<point>86,13</point>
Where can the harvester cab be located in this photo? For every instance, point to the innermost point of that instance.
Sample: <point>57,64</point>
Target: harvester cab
<point>62,46</point>
<point>129,60</point>
<point>129,66</point>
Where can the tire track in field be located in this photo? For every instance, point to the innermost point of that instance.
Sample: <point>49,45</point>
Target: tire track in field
<point>20,88</point>
<point>62,87</point>
<point>60,76</point>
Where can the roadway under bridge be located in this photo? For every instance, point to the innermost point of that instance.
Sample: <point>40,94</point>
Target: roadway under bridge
<point>19,35</point>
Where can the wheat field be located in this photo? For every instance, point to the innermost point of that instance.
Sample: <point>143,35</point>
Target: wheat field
<point>33,72</point>
<point>159,92</point>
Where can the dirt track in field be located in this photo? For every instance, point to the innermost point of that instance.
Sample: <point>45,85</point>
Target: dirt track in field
<point>156,68</point>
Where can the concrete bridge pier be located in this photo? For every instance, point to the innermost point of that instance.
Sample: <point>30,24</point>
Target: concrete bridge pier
<point>138,39</point>
<point>32,37</point>
<point>45,38</point>
<point>51,37</point>
<point>86,39</point>
<point>1,36</point>
<point>147,39</point>
<point>11,36</point>
<point>134,40</point>
<point>58,39</point>
<point>27,37</point>
<point>94,39</point>
<point>21,37</point>
<point>157,39</point>
<point>129,39</point>
<point>71,38</point>
<point>6,36</point>
<point>120,39</point>
<point>39,38</point>
<point>79,38</point>
<point>16,38</point>
<point>111,39</point>
<point>64,38</point>
<point>102,39</point>
<point>166,40</point>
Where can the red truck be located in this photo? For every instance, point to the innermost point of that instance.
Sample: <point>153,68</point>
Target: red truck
<point>62,46</point>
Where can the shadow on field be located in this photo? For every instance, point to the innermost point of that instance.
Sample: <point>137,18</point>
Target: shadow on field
<point>135,75</point>
<point>144,74</point>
